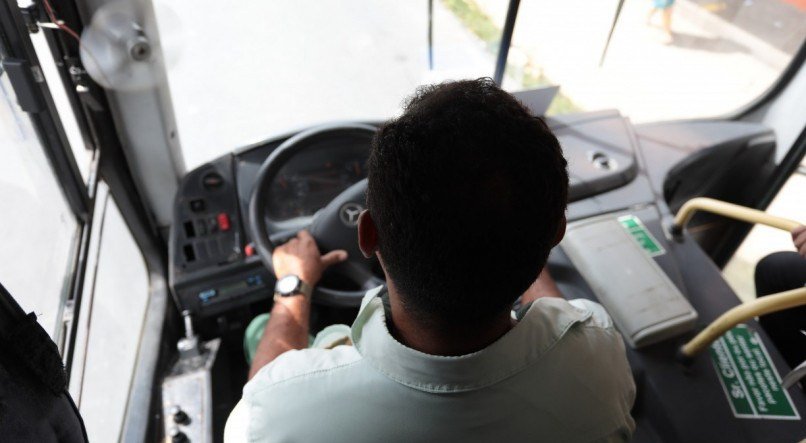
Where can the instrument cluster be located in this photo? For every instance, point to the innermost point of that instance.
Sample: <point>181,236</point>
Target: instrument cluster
<point>312,179</point>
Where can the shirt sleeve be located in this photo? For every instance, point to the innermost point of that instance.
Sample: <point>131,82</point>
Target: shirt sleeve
<point>237,427</point>
<point>599,316</point>
<point>621,378</point>
<point>287,366</point>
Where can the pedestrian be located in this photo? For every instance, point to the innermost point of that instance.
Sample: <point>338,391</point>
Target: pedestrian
<point>666,7</point>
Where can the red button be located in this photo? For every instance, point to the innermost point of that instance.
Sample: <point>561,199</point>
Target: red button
<point>249,250</point>
<point>223,221</point>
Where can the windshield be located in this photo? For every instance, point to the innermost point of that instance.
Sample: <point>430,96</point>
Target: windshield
<point>251,70</point>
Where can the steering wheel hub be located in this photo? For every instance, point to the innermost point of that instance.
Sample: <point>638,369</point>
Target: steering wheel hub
<point>349,213</point>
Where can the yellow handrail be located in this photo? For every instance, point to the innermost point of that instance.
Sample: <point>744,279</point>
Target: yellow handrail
<point>728,210</point>
<point>760,306</point>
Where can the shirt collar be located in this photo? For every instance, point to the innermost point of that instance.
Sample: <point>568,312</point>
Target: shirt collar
<point>541,328</point>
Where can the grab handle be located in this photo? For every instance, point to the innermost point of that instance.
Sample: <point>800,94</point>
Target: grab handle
<point>728,210</point>
<point>745,311</point>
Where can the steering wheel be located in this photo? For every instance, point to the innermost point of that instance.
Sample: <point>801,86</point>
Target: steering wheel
<point>333,227</point>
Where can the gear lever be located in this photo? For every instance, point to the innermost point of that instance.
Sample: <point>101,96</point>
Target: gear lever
<point>188,346</point>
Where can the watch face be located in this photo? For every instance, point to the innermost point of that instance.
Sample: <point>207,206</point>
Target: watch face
<point>287,284</point>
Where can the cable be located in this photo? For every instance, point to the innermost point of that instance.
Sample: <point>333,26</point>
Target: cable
<point>69,31</point>
<point>59,23</point>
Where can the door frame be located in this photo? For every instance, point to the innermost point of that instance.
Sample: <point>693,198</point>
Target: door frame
<point>95,121</point>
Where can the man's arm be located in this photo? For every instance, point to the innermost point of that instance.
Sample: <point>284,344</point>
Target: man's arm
<point>287,328</point>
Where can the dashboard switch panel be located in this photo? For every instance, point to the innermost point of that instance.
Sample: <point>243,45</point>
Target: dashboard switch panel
<point>197,205</point>
<point>210,271</point>
<point>223,221</point>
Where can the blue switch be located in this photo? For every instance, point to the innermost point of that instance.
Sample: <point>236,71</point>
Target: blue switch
<point>207,294</point>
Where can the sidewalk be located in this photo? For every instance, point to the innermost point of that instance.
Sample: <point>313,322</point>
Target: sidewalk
<point>711,67</point>
<point>764,19</point>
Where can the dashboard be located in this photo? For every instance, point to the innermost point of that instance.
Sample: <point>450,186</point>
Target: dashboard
<point>215,274</point>
<point>213,265</point>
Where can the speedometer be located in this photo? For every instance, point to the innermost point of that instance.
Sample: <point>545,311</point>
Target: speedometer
<point>289,190</point>
<point>309,181</point>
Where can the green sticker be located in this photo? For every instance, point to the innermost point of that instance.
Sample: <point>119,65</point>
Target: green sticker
<point>748,377</point>
<point>641,235</point>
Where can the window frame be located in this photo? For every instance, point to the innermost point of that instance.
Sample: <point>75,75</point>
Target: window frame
<point>93,113</point>
<point>45,120</point>
<point>775,89</point>
<point>79,196</point>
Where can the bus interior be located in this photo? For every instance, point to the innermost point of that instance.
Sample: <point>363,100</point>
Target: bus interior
<point>156,152</point>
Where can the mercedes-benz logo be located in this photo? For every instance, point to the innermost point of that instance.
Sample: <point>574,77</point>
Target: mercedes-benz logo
<point>349,213</point>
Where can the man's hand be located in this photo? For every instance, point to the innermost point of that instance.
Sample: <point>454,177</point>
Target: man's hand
<point>300,256</point>
<point>288,327</point>
<point>799,238</point>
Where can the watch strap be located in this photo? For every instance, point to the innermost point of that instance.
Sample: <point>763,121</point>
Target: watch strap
<point>305,289</point>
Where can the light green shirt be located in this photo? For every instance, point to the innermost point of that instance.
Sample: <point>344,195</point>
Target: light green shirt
<point>559,375</point>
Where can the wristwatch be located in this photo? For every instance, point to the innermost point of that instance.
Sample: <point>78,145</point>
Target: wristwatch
<point>291,285</point>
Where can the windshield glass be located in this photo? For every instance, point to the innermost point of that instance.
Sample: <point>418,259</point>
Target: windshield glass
<point>39,232</point>
<point>251,70</point>
<point>667,59</point>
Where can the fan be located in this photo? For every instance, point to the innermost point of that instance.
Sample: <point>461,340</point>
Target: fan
<point>122,50</point>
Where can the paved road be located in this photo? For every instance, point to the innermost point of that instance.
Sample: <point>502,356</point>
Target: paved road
<point>250,70</point>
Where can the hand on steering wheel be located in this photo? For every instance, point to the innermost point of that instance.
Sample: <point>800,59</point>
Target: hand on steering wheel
<point>333,228</point>
<point>300,256</point>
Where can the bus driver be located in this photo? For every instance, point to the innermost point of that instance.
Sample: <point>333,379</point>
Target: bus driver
<point>466,197</point>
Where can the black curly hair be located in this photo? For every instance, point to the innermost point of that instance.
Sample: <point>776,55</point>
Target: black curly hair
<point>467,190</point>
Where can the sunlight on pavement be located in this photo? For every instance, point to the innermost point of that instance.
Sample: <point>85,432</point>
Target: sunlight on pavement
<point>710,68</point>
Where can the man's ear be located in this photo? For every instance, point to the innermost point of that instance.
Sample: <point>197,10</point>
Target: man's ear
<point>560,231</point>
<point>367,234</point>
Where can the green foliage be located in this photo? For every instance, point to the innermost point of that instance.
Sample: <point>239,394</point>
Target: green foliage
<point>469,13</point>
<point>483,27</point>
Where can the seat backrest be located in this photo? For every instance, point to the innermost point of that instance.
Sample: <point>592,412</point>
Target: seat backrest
<point>34,402</point>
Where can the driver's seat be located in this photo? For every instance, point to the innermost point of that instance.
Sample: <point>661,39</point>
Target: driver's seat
<point>34,402</point>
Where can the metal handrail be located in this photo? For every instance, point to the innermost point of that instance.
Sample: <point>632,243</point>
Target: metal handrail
<point>730,210</point>
<point>761,306</point>
<point>745,311</point>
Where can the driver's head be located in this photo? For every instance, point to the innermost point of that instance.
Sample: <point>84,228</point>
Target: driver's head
<point>467,191</point>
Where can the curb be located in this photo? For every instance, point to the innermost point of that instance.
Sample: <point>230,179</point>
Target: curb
<point>761,50</point>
